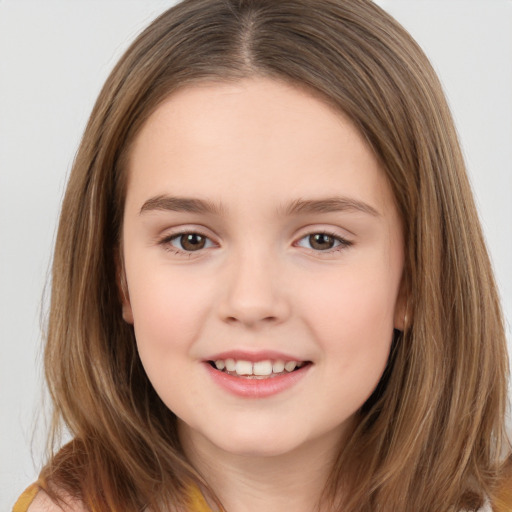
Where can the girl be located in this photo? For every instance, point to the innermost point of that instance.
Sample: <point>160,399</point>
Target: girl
<point>270,288</point>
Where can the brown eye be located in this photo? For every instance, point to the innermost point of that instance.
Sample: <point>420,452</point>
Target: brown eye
<point>321,241</point>
<point>190,242</point>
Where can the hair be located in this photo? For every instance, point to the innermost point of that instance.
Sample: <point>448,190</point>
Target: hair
<point>431,437</point>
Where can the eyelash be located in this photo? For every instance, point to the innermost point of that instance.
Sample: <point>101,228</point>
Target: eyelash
<point>167,240</point>
<point>342,243</point>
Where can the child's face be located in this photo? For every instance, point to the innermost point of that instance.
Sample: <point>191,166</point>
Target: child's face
<point>259,228</point>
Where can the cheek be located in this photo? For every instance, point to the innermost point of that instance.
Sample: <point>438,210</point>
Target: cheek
<point>168,311</point>
<point>353,306</point>
<point>352,318</point>
<point>355,331</point>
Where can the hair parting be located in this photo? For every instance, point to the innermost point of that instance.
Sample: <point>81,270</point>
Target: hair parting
<point>447,372</point>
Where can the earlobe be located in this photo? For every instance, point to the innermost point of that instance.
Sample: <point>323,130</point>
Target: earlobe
<point>127,311</point>
<point>125,299</point>
<point>124,295</point>
<point>400,317</point>
<point>402,314</point>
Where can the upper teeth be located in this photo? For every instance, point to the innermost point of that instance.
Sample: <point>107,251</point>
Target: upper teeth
<point>266,367</point>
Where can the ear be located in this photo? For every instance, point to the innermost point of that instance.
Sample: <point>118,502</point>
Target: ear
<point>122,288</point>
<point>125,299</point>
<point>402,313</point>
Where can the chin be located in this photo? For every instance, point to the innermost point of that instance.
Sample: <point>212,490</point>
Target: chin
<point>258,447</point>
<point>259,439</point>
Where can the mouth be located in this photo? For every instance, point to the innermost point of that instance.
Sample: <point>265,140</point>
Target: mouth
<point>263,369</point>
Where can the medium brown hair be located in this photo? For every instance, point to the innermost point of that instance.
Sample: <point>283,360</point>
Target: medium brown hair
<point>431,437</point>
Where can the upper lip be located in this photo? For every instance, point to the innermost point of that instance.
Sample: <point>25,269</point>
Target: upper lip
<point>253,357</point>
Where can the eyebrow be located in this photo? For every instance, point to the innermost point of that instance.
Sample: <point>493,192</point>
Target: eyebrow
<point>181,204</point>
<point>329,205</point>
<point>299,206</point>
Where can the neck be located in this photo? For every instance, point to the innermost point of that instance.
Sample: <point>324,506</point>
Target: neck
<point>252,483</point>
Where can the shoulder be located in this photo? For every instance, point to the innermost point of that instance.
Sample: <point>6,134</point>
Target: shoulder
<point>43,503</point>
<point>35,499</point>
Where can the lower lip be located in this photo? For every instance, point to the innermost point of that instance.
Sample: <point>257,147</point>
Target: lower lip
<point>256,388</point>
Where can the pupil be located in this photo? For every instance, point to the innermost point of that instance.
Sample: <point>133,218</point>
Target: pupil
<point>321,241</point>
<point>192,242</point>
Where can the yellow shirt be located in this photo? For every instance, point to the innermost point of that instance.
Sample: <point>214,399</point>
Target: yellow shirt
<point>26,499</point>
<point>197,501</point>
<point>198,504</point>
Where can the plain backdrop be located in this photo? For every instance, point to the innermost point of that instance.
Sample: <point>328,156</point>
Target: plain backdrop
<point>54,57</point>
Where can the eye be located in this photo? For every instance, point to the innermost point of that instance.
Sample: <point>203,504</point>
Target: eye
<point>323,242</point>
<point>188,242</point>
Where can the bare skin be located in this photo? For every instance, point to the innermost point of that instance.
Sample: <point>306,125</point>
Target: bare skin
<point>43,503</point>
<point>259,228</point>
<point>258,222</point>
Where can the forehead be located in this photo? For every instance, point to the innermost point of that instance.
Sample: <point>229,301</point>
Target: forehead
<point>255,136</point>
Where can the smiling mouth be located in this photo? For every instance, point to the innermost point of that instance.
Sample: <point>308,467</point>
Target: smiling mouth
<point>257,370</point>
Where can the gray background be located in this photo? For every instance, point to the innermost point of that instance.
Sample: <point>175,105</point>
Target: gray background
<point>54,57</point>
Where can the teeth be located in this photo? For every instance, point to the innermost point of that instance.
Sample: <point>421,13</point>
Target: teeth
<point>243,368</point>
<point>278,366</point>
<point>263,368</point>
<point>259,368</point>
<point>290,366</point>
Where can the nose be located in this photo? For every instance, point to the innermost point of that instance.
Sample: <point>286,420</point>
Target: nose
<point>254,295</point>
